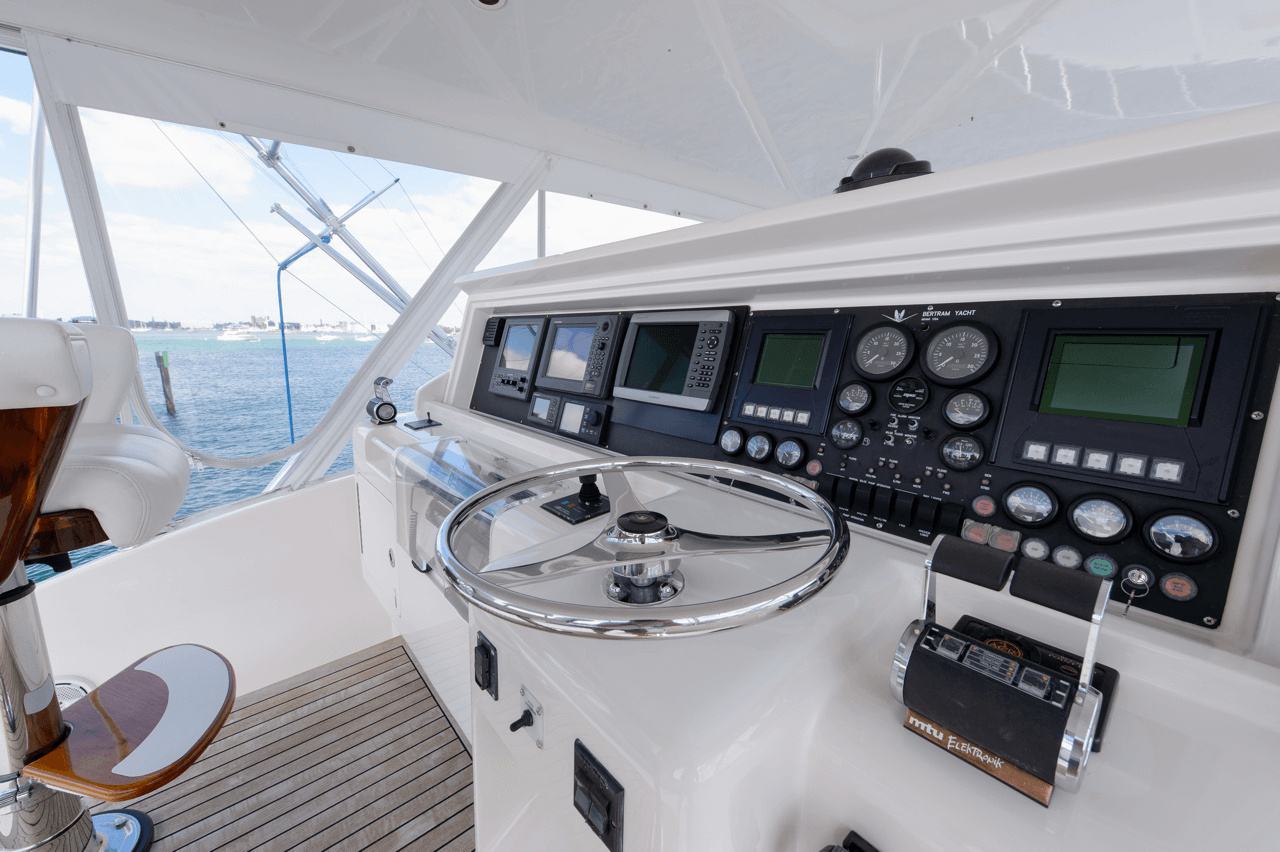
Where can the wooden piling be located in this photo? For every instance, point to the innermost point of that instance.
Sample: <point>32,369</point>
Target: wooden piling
<point>162,361</point>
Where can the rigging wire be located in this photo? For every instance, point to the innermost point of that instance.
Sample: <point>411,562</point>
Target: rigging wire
<point>414,206</point>
<point>388,209</point>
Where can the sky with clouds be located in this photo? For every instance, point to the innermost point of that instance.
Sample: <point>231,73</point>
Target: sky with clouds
<point>172,195</point>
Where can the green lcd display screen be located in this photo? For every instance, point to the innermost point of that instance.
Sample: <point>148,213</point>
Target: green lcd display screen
<point>1134,378</point>
<point>789,361</point>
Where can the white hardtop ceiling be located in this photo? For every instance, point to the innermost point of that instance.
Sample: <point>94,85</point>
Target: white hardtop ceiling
<point>709,108</point>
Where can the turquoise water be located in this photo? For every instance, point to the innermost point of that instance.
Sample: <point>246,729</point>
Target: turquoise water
<point>230,401</point>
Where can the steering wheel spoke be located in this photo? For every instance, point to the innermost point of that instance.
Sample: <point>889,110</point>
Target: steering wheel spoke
<point>622,500</point>
<point>529,566</point>
<point>690,543</point>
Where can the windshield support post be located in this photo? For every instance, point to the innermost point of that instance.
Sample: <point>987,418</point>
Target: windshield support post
<point>35,201</point>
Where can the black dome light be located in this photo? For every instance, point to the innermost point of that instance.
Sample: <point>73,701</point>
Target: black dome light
<point>884,166</point>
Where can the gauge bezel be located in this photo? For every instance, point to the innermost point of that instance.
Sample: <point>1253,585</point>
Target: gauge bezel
<point>871,398</point>
<point>1181,560</point>
<point>741,447</point>
<point>896,371</point>
<point>1128,517</point>
<point>804,453</point>
<point>993,355</point>
<point>980,422</point>
<point>1053,501</point>
<point>971,437</point>
<point>862,433</point>
<point>888,397</point>
<point>768,454</point>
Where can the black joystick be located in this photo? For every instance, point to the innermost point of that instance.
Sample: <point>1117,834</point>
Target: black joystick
<point>525,720</point>
<point>589,493</point>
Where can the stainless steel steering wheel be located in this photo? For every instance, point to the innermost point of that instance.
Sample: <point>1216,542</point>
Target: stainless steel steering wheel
<point>627,580</point>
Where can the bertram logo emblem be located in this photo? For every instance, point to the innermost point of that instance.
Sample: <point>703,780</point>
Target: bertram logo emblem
<point>899,316</point>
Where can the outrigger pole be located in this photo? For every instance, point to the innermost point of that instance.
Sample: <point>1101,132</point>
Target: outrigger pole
<point>385,287</point>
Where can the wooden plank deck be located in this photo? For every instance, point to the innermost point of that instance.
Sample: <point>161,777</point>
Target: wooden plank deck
<point>355,755</point>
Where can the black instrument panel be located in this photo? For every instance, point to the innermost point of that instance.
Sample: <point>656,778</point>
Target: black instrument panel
<point>1114,436</point>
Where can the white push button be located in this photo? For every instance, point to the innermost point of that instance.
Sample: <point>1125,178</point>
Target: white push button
<point>788,415</point>
<point>1068,456</point>
<point>775,413</point>
<point>1132,465</point>
<point>1035,451</point>
<point>802,418</point>
<point>748,410</point>
<point>1167,470</point>
<point>1098,460</point>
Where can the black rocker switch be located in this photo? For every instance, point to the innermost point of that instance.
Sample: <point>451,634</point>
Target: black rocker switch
<point>598,797</point>
<point>486,666</point>
<point>525,720</point>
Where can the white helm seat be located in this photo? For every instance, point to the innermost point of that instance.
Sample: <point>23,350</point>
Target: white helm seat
<point>133,478</point>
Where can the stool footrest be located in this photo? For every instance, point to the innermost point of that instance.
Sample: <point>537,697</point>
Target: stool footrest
<point>142,728</point>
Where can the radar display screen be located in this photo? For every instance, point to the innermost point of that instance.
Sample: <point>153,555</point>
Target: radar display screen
<point>789,361</point>
<point>517,349</point>
<point>1132,378</point>
<point>569,352</point>
<point>660,357</point>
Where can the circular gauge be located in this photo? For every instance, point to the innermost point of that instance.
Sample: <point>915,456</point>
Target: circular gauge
<point>1035,548</point>
<point>1181,537</point>
<point>846,434</point>
<point>959,354</point>
<point>1030,505</point>
<point>1102,565</point>
<point>1066,556</point>
<point>908,395</point>
<point>961,452</point>
<point>966,409</point>
<point>789,453</point>
<point>731,442</point>
<point>759,446</point>
<point>883,351</point>
<point>1100,518</point>
<point>854,398</point>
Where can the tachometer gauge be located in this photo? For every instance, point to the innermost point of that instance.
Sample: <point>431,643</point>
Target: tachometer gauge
<point>854,398</point>
<point>758,446</point>
<point>961,452</point>
<point>966,409</point>
<point>1180,537</point>
<point>846,434</point>
<point>1030,504</point>
<point>1100,518</point>
<point>959,354</point>
<point>789,454</point>
<point>883,351</point>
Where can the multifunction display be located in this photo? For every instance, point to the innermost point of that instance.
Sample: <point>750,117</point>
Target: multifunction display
<point>518,353</point>
<point>579,354</point>
<point>1132,378</point>
<point>675,358</point>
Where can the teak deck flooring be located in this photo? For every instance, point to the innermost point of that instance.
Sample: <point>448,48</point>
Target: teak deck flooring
<point>354,755</point>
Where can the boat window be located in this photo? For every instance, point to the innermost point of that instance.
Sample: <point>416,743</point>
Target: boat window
<point>61,289</point>
<point>198,241</point>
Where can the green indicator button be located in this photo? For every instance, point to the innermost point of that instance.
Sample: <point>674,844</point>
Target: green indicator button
<point>1101,565</point>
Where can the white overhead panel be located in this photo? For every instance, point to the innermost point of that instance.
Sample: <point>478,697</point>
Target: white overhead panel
<point>709,108</point>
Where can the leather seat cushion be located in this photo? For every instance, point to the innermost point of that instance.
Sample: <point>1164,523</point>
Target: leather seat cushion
<point>132,478</point>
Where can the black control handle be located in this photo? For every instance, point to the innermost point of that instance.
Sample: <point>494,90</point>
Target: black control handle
<point>974,563</point>
<point>1070,592</point>
<point>525,720</point>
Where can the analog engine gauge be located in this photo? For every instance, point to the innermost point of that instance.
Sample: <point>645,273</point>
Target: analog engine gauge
<point>1030,504</point>
<point>846,434</point>
<point>961,452</point>
<point>1181,537</point>
<point>854,398</point>
<point>759,446</point>
<point>959,354</point>
<point>966,409</point>
<point>789,454</point>
<point>1100,518</point>
<point>731,441</point>
<point>883,351</point>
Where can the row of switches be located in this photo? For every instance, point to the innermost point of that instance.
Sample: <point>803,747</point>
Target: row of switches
<point>902,508</point>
